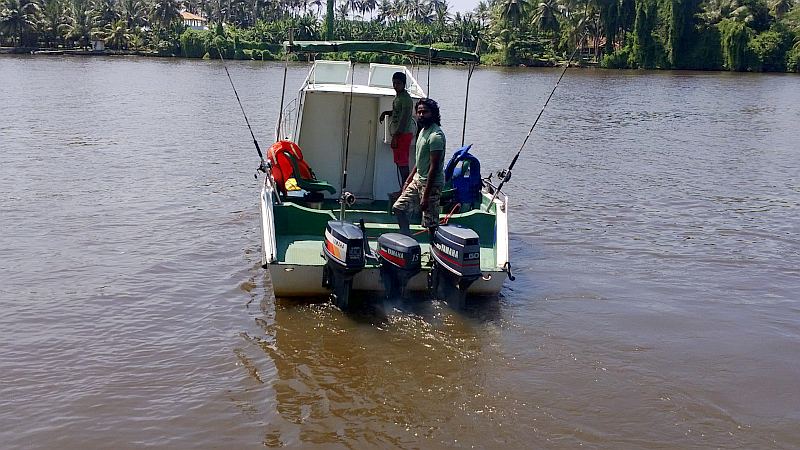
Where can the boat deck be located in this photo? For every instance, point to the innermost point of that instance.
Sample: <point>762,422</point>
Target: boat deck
<point>300,230</point>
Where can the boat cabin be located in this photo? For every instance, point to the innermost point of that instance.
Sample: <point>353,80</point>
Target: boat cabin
<point>329,104</point>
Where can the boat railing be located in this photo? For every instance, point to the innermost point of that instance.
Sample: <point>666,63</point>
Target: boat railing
<point>287,123</point>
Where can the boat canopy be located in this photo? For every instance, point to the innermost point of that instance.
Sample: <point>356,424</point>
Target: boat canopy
<point>416,51</point>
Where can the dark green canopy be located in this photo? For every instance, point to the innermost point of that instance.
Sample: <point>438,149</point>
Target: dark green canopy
<point>415,51</point>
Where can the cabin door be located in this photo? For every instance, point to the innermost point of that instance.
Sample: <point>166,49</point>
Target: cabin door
<point>361,159</point>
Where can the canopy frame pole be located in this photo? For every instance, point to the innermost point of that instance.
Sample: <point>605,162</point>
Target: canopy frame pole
<point>283,89</point>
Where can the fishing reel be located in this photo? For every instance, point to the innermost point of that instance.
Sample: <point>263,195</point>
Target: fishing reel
<point>263,167</point>
<point>504,175</point>
<point>347,199</point>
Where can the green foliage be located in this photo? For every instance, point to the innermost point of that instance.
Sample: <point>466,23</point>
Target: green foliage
<point>679,26</point>
<point>194,43</point>
<point>769,50</point>
<point>793,59</point>
<point>645,49</point>
<point>705,53</point>
<point>734,39</point>
<point>620,59</point>
<point>691,34</point>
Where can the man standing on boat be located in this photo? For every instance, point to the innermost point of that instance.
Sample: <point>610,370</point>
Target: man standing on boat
<point>401,126</point>
<point>423,186</point>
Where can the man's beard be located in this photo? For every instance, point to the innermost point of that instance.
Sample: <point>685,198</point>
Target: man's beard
<point>424,123</point>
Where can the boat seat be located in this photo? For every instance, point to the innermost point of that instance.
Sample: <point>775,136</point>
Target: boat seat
<point>308,184</point>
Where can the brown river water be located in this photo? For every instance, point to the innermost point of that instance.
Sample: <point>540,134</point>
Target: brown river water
<point>654,233</point>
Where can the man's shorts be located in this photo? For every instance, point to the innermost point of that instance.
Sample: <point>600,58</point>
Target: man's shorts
<point>410,198</point>
<point>403,142</point>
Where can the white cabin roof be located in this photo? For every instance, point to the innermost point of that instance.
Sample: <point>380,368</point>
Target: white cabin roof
<point>336,76</point>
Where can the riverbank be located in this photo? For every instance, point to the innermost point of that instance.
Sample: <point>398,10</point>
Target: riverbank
<point>273,52</point>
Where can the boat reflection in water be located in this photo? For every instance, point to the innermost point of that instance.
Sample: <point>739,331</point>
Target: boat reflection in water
<point>389,374</point>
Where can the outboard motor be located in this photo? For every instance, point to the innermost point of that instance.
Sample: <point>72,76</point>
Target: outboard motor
<point>399,256</point>
<point>343,250</point>
<point>456,263</point>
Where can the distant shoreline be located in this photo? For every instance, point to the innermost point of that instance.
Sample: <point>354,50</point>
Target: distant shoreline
<point>36,51</point>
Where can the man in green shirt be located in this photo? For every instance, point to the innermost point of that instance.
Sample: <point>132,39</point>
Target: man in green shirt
<point>402,124</point>
<point>423,186</point>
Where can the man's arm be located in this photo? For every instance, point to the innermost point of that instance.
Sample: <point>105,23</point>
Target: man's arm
<point>436,158</point>
<point>408,180</point>
<point>401,126</point>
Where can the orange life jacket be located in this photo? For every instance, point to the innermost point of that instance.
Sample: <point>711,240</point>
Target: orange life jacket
<point>280,156</point>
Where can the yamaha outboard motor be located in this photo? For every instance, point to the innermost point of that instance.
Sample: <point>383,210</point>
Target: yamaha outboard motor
<point>456,263</point>
<point>343,250</point>
<point>399,256</point>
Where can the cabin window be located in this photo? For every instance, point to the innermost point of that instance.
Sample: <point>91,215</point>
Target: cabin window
<point>330,72</point>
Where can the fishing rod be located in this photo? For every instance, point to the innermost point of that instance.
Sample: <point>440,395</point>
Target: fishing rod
<point>263,166</point>
<point>347,198</point>
<point>505,174</point>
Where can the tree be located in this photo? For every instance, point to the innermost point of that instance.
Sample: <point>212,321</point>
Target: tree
<point>735,37</point>
<point>104,12</point>
<point>545,16</point>
<point>513,11</point>
<point>680,30</point>
<point>165,12</point>
<point>117,35</point>
<point>53,17</point>
<point>644,45</point>
<point>386,12</point>
<point>18,17</point>
<point>134,12</point>
<point>329,27</point>
<point>78,26</point>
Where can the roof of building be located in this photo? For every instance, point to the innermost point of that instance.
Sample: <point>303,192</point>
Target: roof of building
<point>186,15</point>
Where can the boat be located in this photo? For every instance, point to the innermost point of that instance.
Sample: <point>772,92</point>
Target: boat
<point>326,225</point>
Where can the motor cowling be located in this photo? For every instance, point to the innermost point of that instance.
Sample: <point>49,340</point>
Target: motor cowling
<point>456,254</point>
<point>400,260</point>
<point>343,249</point>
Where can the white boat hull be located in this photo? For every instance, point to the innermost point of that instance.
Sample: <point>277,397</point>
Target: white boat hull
<point>290,280</point>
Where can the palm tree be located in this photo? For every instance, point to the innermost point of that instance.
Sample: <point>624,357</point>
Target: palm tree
<point>78,26</point>
<point>165,12</point>
<point>117,35</point>
<point>441,10</point>
<point>545,16</point>
<point>483,13</point>
<point>104,12</point>
<point>53,18</point>
<point>513,11</point>
<point>415,9</point>
<point>317,4</point>
<point>385,12</point>
<point>343,9</point>
<point>371,6</point>
<point>18,17</point>
<point>134,13</point>
<point>307,28</point>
